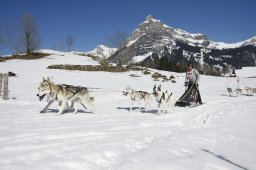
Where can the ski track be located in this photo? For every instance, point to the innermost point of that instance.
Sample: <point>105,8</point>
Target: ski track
<point>112,138</point>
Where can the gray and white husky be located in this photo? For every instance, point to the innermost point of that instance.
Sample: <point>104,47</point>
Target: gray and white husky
<point>51,98</point>
<point>64,94</point>
<point>249,91</point>
<point>238,91</point>
<point>138,96</point>
<point>162,98</point>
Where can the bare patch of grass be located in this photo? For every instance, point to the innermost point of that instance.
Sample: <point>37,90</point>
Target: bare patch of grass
<point>31,56</point>
<point>107,68</point>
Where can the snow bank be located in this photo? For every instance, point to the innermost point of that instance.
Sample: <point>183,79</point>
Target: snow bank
<point>247,72</point>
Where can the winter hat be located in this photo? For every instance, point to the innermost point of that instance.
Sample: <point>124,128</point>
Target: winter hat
<point>190,65</point>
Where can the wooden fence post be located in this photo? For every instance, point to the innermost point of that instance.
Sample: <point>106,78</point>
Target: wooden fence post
<point>5,90</point>
<point>1,83</point>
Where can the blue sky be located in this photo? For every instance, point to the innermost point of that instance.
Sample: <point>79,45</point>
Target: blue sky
<point>89,22</point>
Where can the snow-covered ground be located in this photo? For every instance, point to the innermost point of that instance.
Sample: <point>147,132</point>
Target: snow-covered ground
<point>217,135</point>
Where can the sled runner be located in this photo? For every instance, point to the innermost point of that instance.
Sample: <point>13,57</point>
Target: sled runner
<point>189,98</point>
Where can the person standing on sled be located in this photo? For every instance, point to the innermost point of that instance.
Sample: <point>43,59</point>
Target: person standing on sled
<point>192,79</point>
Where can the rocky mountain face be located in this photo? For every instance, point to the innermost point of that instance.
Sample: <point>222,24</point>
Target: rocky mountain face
<point>154,44</point>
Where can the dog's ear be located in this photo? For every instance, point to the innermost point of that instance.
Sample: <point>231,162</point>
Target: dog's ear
<point>43,79</point>
<point>159,87</point>
<point>163,96</point>
<point>154,88</point>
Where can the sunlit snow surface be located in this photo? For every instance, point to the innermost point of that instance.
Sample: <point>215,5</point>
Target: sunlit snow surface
<point>217,135</point>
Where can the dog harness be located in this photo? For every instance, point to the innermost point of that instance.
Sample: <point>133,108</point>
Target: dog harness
<point>56,98</point>
<point>141,93</point>
<point>163,97</point>
<point>68,88</point>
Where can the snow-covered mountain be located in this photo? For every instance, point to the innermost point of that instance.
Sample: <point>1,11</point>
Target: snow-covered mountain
<point>154,41</point>
<point>222,45</point>
<point>168,34</point>
<point>102,51</point>
<point>219,135</point>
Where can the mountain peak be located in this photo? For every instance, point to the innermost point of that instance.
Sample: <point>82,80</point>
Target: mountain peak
<point>155,28</point>
<point>149,17</point>
<point>102,51</point>
<point>153,42</point>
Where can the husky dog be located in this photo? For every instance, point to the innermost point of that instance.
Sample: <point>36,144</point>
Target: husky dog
<point>163,99</point>
<point>230,91</point>
<point>238,91</point>
<point>249,91</point>
<point>51,99</point>
<point>138,96</point>
<point>254,90</point>
<point>63,94</point>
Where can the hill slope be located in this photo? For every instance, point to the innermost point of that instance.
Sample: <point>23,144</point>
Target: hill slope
<point>217,135</point>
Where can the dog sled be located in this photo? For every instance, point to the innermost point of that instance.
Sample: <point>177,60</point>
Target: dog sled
<point>189,97</point>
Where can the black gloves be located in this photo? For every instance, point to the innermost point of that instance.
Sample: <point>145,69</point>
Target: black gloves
<point>194,84</point>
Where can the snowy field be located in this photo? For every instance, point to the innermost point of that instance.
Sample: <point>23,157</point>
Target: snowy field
<point>219,135</point>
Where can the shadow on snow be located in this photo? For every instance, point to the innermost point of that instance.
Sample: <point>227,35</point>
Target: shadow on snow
<point>142,110</point>
<point>224,159</point>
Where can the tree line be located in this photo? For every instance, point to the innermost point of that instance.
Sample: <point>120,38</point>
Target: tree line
<point>26,38</point>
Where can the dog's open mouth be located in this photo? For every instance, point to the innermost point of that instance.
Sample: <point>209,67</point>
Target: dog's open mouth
<point>40,97</point>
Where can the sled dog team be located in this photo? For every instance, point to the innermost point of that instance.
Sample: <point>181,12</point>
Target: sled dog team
<point>163,99</point>
<point>74,95</point>
<point>239,91</point>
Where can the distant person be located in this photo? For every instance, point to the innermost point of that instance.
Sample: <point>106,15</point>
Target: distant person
<point>192,80</point>
<point>233,74</point>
